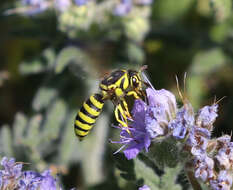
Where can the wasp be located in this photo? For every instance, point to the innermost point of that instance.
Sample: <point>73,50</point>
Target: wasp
<point>114,87</point>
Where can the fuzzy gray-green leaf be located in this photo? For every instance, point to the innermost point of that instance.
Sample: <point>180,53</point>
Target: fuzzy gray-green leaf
<point>6,141</point>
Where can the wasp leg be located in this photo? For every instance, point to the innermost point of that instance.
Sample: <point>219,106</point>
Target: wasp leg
<point>127,113</point>
<point>120,117</point>
<point>130,93</point>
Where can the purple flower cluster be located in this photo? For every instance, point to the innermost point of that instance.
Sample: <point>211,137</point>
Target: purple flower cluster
<point>149,121</point>
<point>12,177</point>
<point>37,6</point>
<point>211,160</point>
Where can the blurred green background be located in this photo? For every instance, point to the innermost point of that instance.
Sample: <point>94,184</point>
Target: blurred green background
<point>52,62</point>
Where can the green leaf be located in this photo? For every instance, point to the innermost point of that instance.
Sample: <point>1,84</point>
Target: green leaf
<point>164,154</point>
<point>146,173</point>
<point>6,141</point>
<point>169,178</point>
<point>32,137</point>
<point>44,97</point>
<point>221,9</point>
<point>55,116</point>
<point>42,63</point>
<point>207,61</point>
<point>172,10</point>
<point>68,55</point>
<point>69,138</point>
<point>19,127</point>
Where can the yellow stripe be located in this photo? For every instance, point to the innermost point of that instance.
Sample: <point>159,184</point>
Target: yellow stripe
<point>90,110</point>
<point>82,133</point>
<point>118,82</point>
<point>82,125</point>
<point>103,87</point>
<point>126,83</point>
<point>96,102</point>
<point>86,118</point>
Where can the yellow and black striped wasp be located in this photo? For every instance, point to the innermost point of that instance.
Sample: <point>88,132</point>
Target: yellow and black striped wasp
<point>115,87</point>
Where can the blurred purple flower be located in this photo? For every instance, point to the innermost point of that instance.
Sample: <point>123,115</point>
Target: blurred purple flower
<point>32,2</point>
<point>35,6</point>
<point>13,178</point>
<point>48,182</point>
<point>11,172</point>
<point>62,5</point>
<point>144,187</point>
<point>80,2</point>
<point>30,180</point>
<point>144,2</point>
<point>123,8</point>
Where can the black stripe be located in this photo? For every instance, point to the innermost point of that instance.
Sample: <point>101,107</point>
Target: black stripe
<point>79,128</point>
<point>82,121</point>
<point>99,98</point>
<point>90,104</point>
<point>122,84</point>
<point>81,136</point>
<point>85,112</point>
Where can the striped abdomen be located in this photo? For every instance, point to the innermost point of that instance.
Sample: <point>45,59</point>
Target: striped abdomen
<point>87,115</point>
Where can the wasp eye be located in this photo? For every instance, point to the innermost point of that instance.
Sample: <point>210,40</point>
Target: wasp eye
<point>135,81</point>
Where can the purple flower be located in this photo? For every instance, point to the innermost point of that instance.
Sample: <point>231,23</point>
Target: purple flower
<point>198,140</point>
<point>223,182</point>
<point>152,122</point>
<point>163,99</point>
<point>30,180</point>
<point>48,182</point>
<point>136,137</point>
<point>123,8</point>
<point>224,141</point>
<point>144,187</point>
<point>149,121</point>
<point>225,157</point>
<point>13,178</point>
<point>11,172</point>
<point>206,116</point>
<point>184,120</point>
<point>204,167</point>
